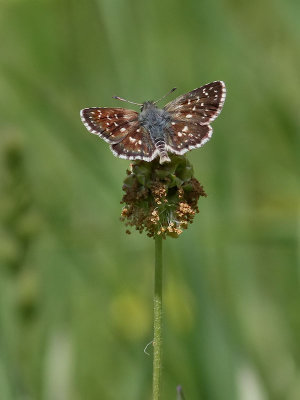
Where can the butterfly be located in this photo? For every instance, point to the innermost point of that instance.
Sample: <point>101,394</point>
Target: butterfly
<point>181,125</point>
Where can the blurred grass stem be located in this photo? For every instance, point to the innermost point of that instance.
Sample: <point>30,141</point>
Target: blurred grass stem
<point>157,343</point>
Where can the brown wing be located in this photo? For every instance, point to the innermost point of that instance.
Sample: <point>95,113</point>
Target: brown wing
<point>136,145</point>
<point>201,105</point>
<point>185,136</point>
<point>111,124</point>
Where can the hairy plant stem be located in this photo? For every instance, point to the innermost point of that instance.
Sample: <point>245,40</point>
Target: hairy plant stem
<point>157,342</point>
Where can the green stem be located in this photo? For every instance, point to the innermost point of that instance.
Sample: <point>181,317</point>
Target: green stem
<point>157,342</point>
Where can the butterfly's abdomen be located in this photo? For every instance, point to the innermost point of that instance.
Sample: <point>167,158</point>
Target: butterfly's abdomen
<point>156,121</point>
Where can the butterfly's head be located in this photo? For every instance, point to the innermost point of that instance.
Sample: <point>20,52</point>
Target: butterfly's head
<point>148,105</point>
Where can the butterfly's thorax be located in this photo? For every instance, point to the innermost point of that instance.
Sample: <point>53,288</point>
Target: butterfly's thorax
<point>155,120</point>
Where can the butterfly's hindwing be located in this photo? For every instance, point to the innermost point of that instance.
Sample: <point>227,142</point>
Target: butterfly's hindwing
<point>185,136</point>
<point>201,105</point>
<point>136,145</point>
<point>111,124</point>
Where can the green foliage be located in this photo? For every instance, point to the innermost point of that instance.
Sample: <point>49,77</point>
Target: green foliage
<point>75,291</point>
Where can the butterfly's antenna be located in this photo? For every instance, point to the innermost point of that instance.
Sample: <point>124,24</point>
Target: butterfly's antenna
<point>171,91</point>
<point>127,101</point>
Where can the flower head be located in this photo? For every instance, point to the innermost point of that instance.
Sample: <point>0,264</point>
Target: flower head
<point>161,199</point>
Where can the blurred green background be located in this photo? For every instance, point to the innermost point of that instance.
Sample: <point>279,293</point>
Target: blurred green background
<point>75,290</point>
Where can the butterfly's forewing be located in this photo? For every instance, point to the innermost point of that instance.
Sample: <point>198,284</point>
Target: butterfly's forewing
<point>184,136</point>
<point>201,105</point>
<point>136,145</point>
<point>111,124</point>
